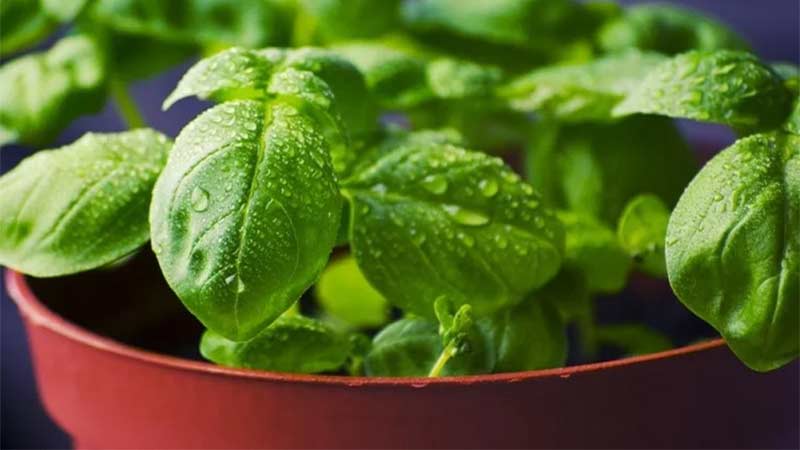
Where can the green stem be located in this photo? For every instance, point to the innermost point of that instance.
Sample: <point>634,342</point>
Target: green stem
<point>126,105</point>
<point>447,353</point>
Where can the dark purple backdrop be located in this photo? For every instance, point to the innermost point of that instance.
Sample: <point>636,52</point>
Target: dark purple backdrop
<point>772,27</point>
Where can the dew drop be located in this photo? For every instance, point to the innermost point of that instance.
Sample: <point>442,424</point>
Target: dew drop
<point>466,216</point>
<point>488,187</point>
<point>435,184</point>
<point>199,199</point>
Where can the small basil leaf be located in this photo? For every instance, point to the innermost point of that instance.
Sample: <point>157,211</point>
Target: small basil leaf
<point>568,292</point>
<point>430,220</point>
<point>596,169</point>
<point>240,73</point>
<point>345,294</point>
<point>733,248</point>
<point>727,87</point>
<point>412,346</point>
<point>641,231</point>
<point>467,347</point>
<point>293,344</point>
<point>26,22</point>
<point>593,248</point>
<point>406,348</point>
<point>245,214</point>
<point>667,29</point>
<point>81,206</point>
<point>236,73</point>
<point>579,92</point>
<point>43,92</point>
<point>529,336</point>
<point>396,79</point>
<point>633,339</point>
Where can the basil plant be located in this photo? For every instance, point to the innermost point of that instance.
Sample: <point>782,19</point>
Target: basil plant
<point>447,260</point>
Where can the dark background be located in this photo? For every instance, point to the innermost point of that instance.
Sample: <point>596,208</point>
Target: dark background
<point>771,26</point>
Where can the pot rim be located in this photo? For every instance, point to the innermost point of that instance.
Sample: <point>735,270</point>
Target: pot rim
<point>35,311</point>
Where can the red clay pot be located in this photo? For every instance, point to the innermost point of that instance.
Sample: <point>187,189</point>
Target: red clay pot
<point>109,395</point>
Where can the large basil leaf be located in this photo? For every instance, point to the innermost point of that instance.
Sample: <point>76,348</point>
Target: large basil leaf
<point>43,92</point>
<point>593,248</point>
<point>641,229</point>
<point>733,248</point>
<point>579,92</point>
<point>429,220</point>
<point>727,87</point>
<point>80,206</point>
<point>245,214</point>
<point>347,296</point>
<point>292,343</point>
<point>25,22</point>
<point>529,336</point>
<point>667,29</point>
<point>597,168</point>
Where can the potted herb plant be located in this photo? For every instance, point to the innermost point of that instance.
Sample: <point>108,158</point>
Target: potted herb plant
<point>369,279</point>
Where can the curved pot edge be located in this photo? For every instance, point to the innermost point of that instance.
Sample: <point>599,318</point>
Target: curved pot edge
<point>39,315</point>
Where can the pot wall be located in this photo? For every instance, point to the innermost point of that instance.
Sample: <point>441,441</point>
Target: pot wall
<point>111,396</point>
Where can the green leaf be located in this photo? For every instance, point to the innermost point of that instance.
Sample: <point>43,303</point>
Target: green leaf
<point>529,336</point>
<point>596,169</point>
<point>26,22</point>
<point>334,20</point>
<point>642,229</point>
<point>293,344</point>
<point>209,23</point>
<point>733,248</point>
<point>413,346</point>
<point>667,29</point>
<point>515,22</point>
<point>429,220</point>
<point>793,122</point>
<point>396,78</point>
<point>466,347</point>
<point>336,86</point>
<point>454,79</point>
<point>593,248</point>
<point>81,206</point>
<point>580,92</point>
<point>406,348</point>
<point>727,87</point>
<point>345,294</point>
<point>43,92</point>
<point>245,213</point>
<point>633,339</point>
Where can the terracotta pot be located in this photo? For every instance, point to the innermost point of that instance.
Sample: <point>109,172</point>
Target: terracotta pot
<point>109,395</point>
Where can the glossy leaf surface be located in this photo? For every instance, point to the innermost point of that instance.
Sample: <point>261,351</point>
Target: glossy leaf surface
<point>81,206</point>
<point>429,220</point>
<point>727,87</point>
<point>733,248</point>
<point>246,213</point>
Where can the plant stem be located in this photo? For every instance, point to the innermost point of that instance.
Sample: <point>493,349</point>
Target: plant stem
<point>126,106</point>
<point>447,353</point>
